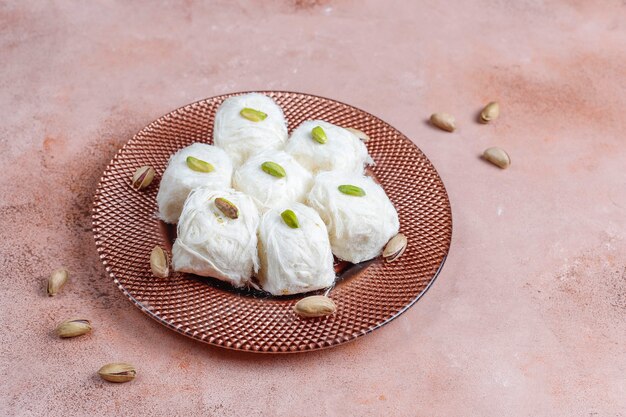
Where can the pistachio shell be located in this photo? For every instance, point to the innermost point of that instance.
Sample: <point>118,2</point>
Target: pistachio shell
<point>118,372</point>
<point>358,133</point>
<point>443,121</point>
<point>143,177</point>
<point>73,328</point>
<point>490,112</point>
<point>290,219</point>
<point>498,157</point>
<point>56,281</point>
<point>319,135</point>
<point>395,247</point>
<point>252,114</point>
<point>351,190</point>
<point>315,306</point>
<point>273,169</point>
<point>199,165</point>
<point>229,209</point>
<point>159,263</point>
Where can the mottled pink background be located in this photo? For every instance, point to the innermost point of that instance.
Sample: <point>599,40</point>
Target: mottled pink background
<point>528,317</point>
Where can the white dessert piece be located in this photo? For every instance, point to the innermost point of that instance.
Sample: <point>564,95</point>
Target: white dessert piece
<point>241,137</point>
<point>211,244</point>
<point>269,190</point>
<point>179,179</point>
<point>358,226</point>
<point>294,260</point>
<point>342,151</point>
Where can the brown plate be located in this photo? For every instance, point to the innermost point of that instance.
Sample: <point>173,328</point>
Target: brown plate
<point>367,295</point>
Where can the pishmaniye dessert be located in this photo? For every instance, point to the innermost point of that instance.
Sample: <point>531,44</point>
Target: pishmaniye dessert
<point>273,178</point>
<point>217,236</point>
<point>260,210</point>
<point>248,124</point>
<point>197,165</point>
<point>321,146</point>
<point>294,251</point>
<point>358,214</point>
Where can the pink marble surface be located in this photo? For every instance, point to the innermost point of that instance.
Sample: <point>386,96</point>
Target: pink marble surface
<point>528,317</point>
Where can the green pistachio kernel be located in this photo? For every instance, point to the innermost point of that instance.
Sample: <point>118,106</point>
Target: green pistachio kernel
<point>252,114</point>
<point>273,169</point>
<point>290,219</point>
<point>352,190</point>
<point>199,165</point>
<point>319,135</point>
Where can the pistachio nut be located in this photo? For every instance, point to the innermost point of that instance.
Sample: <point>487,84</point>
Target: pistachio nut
<point>252,114</point>
<point>395,248</point>
<point>315,306</point>
<point>73,328</point>
<point>443,121</point>
<point>498,157</point>
<point>199,165</point>
<point>273,169</point>
<point>143,177</point>
<point>117,372</point>
<point>159,263</point>
<point>319,135</point>
<point>56,281</point>
<point>229,209</point>
<point>358,133</point>
<point>490,112</point>
<point>351,190</point>
<point>290,219</point>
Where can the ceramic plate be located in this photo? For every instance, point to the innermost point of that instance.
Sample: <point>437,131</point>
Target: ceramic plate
<point>367,295</point>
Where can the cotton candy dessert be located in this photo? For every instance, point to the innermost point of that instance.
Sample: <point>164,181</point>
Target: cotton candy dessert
<point>273,178</point>
<point>217,236</point>
<point>248,124</point>
<point>358,214</point>
<point>196,165</point>
<point>294,251</point>
<point>321,146</point>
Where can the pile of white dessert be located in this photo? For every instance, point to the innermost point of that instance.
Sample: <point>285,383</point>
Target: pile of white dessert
<point>261,204</point>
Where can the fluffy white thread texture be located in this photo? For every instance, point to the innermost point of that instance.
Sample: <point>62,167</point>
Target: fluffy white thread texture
<point>242,138</point>
<point>211,244</point>
<point>294,260</point>
<point>359,227</point>
<point>178,179</point>
<point>291,260</point>
<point>343,151</point>
<point>269,191</point>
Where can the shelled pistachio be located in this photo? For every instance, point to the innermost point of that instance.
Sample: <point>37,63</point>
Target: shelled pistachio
<point>315,306</point>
